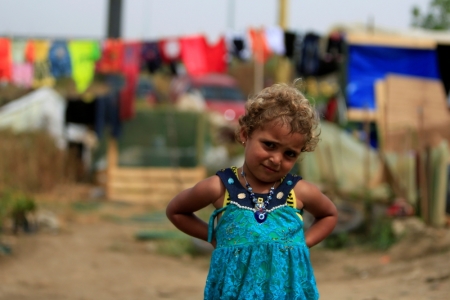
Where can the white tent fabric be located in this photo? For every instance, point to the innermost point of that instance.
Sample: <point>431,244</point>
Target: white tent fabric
<point>43,109</point>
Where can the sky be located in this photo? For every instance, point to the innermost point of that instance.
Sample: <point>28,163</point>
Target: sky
<point>153,19</point>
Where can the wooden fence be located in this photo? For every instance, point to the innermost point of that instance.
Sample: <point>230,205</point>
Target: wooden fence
<point>155,186</point>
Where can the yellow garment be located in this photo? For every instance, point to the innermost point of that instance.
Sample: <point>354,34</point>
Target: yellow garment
<point>41,48</point>
<point>42,75</point>
<point>83,55</point>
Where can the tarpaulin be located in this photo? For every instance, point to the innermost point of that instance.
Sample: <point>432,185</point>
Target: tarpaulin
<point>367,64</point>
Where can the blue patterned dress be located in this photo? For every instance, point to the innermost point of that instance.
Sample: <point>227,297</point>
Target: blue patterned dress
<point>253,260</point>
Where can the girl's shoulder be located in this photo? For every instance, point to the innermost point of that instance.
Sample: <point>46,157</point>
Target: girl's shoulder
<point>305,189</point>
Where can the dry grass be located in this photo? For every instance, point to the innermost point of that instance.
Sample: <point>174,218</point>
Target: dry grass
<point>31,162</point>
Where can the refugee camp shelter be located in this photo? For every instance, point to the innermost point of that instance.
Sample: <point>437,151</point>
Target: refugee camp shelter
<point>400,81</point>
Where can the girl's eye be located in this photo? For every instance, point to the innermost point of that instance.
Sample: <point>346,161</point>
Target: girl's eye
<point>269,144</point>
<point>291,154</point>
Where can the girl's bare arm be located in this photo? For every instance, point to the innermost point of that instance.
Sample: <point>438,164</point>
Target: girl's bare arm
<point>181,208</point>
<point>311,199</point>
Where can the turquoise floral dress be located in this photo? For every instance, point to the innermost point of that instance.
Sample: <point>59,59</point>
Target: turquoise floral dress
<point>253,260</point>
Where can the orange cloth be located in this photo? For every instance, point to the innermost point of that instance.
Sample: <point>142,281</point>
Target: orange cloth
<point>5,59</point>
<point>260,47</point>
<point>111,60</point>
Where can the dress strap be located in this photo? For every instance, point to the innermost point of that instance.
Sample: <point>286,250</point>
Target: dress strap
<point>211,222</point>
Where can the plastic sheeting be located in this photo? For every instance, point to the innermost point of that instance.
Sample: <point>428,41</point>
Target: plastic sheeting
<point>369,63</point>
<point>345,163</point>
<point>43,109</point>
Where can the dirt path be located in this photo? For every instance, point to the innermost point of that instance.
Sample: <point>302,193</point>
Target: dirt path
<point>91,258</point>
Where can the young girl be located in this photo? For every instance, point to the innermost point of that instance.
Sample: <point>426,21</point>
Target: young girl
<point>261,251</point>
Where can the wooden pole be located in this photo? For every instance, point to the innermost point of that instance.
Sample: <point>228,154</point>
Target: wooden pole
<point>283,13</point>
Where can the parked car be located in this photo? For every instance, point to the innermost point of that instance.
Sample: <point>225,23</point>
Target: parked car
<point>219,92</point>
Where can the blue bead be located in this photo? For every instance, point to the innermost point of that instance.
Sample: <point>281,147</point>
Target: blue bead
<point>230,180</point>
<point>260,216</point>
<point>289,182</point>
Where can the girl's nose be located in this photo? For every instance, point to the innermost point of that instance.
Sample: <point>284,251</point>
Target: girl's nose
<point>275,159</point>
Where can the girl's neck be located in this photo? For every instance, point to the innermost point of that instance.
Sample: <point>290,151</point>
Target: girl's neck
<point>259,187</point>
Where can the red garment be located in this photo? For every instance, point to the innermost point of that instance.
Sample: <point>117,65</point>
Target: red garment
<point>200,58</point>
<point>194,55</point>
<point>260,48</point>
<point>170,50</point>
<point>217,56</point>
<point>111,60</point>
<point>5,59</point>
<point>30,52</point>
<point>130,69</point>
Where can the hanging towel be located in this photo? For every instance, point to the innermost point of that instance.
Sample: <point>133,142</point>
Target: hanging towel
<point>83,55</point>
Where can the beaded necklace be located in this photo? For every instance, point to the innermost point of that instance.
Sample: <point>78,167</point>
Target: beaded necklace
<point>260,204</point>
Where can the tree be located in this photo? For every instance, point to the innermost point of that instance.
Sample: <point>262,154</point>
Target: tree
<point>437,16</point>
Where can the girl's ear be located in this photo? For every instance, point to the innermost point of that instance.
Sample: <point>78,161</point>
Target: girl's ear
<point>243,135</point>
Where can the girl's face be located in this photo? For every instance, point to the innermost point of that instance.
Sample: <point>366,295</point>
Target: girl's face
<point>270,152</point>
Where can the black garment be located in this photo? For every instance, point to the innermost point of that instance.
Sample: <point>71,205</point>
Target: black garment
<point>289,43</point>
<point>80,112</point>
<point>310,58</point>
<point>151,59</point>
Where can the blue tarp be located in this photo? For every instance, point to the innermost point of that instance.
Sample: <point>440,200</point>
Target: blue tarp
<point>367,64</point>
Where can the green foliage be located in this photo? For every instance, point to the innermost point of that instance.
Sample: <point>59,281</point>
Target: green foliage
<point>437,17</point>
<point>337,241</point>
<point>381,234</point>
<point>15,203</point>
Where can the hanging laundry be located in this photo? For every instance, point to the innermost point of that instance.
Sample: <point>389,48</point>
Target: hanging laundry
<point>5,60</point>
<point>83,56</point>
<point>216,56</point>
<point>275,39</point>
<point>107,114</point>
<point>170,50</point>
<point>111,60</point>
<point>18,50</point>
<point>59,57</point>
<point>30,52</point>
<point>289,43</point>
<point>22,74</point>
<point>238,45</point>
<point>41,66</point>
<point>151,59</point>
<point>193,55</point>
<point>335,46</point>
<point>22,69</point>
<point>310,59</point>
<point>201,58</point>
<point>130,69</point>
<point>260,48</point>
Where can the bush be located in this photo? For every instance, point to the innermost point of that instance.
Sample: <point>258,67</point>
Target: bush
<point>16,205</point>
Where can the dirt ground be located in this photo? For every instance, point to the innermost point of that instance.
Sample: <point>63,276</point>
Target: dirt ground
<point>92,252</point>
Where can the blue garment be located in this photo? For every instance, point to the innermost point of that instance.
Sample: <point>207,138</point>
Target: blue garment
<point>253,260</point>
<point>60,64</point>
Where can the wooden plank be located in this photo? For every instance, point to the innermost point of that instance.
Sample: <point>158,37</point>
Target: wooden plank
<point>157,172</point>
<point>361,115</point>
<point>148,186</point>
<point>390,41</point>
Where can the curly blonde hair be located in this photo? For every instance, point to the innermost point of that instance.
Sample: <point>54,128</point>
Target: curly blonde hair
<point>286,104</point>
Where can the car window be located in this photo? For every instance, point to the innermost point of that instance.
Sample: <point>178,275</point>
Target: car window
<point>221,93</point>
